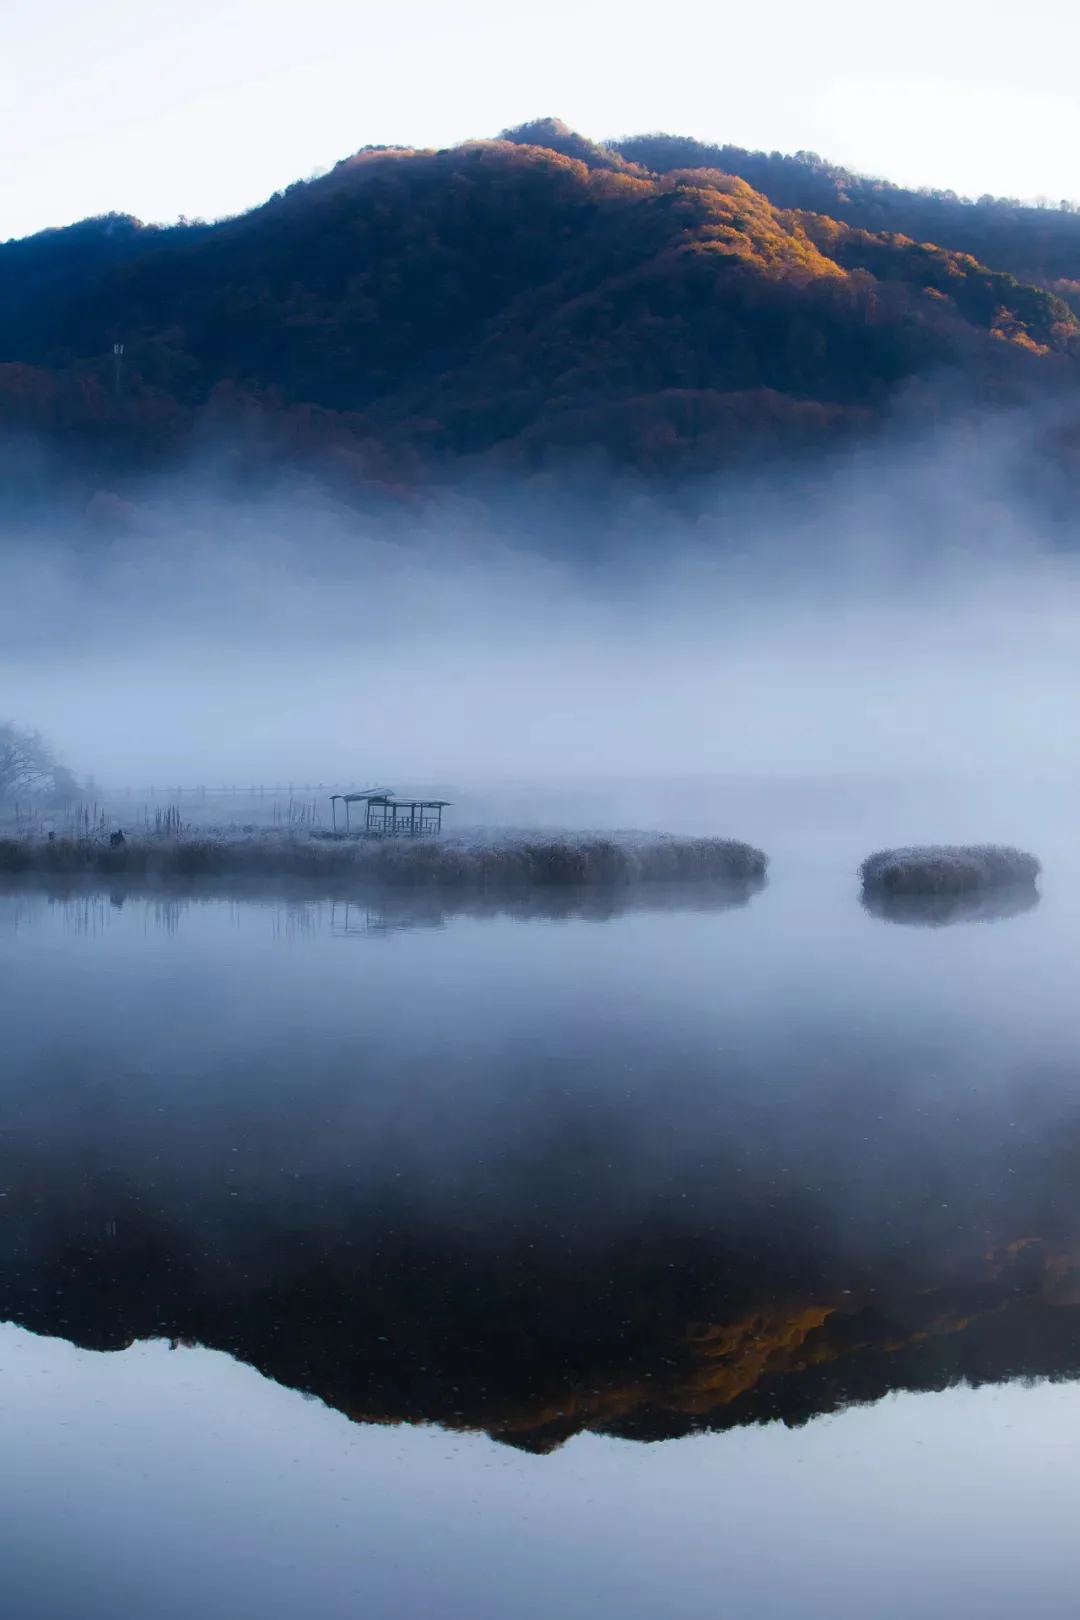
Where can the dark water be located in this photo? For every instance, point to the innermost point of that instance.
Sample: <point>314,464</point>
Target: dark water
<point>684,1258</point>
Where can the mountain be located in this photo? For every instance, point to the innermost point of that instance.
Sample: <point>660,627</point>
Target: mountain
<point>528,304</point>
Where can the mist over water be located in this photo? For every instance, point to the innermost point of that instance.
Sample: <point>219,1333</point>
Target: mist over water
<point>792,1074</point>
<point>913,612</point>
<point>583,1184</point>
<point>594,1224</point>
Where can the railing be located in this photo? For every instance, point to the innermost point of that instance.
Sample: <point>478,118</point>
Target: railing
<point>381,822</point>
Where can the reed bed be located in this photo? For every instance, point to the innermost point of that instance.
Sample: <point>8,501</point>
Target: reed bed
<point>483,862</point>
<point>947,869</point>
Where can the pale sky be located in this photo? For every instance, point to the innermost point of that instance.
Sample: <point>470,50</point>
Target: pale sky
<point>160,109</point>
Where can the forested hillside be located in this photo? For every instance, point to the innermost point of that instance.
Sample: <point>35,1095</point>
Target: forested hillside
<point>1040,244</point>
<point>532,303</point>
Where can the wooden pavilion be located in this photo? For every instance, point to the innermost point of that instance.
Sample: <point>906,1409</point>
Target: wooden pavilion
<point>386,816</point>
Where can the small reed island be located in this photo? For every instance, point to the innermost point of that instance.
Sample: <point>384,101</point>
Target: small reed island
<point>947,869</point>
<point>482,861</point>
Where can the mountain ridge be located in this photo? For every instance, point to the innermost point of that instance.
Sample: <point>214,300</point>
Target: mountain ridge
<point>519,305</point>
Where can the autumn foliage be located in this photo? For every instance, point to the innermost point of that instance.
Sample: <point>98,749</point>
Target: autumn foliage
<point>517,304</point>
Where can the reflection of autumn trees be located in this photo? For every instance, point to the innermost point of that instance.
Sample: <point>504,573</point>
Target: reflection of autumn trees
<point>647,1334</point>
<point>508,303</point>
<point>761,1242</point>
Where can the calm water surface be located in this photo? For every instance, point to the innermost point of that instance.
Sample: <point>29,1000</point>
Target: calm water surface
<point>681,1259</point>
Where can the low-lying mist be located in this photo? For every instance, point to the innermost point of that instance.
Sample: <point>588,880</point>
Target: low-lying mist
<point>912,614</point>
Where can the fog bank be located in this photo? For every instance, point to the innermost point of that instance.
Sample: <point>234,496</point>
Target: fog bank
<point>915,616</point>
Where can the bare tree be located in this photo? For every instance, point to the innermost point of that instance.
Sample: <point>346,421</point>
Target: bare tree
<point>26,760</point>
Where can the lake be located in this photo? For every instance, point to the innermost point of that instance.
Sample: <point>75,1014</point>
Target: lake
<point>660,1254</point>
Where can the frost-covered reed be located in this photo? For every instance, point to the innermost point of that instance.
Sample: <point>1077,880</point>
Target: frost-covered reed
<point>483,861</point>
<point>942,869</point>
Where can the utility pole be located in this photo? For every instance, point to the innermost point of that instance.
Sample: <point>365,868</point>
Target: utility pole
<point>118,365</point>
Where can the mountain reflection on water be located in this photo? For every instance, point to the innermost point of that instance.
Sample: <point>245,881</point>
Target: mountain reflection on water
<point>655,1333</point>
<point>506,1187</point>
